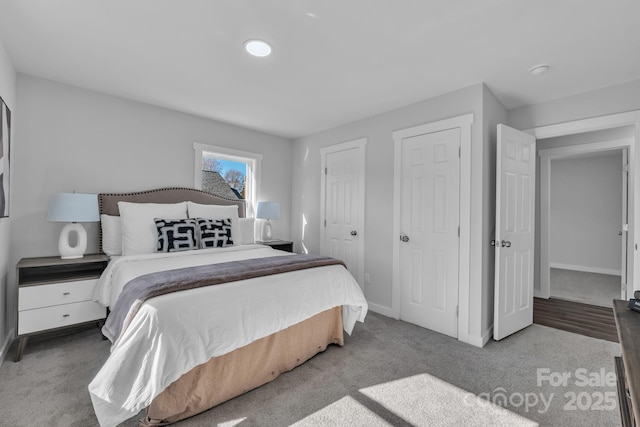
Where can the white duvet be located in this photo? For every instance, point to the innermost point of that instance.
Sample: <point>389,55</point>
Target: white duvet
<point>173,333</point>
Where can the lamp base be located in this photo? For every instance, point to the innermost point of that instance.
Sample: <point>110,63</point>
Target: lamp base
<point>267,232</point>
<point>64,247</point>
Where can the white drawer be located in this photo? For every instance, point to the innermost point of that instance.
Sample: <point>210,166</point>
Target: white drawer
<point>58,316</point>
<point>31,297</point>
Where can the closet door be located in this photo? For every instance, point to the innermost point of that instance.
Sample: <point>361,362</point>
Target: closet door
<point>429,225</point>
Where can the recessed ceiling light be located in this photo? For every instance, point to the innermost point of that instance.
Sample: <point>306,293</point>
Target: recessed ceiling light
<point>258,48</point>
<point>539,69</point>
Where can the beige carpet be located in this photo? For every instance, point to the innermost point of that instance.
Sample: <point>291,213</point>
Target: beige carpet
<point>388,373</point>
<point>420,400</point>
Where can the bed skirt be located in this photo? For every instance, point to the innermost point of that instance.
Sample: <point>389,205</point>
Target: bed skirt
<point>230,375</point>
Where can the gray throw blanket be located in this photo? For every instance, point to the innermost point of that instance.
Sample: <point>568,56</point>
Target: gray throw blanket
<point>140,289</point>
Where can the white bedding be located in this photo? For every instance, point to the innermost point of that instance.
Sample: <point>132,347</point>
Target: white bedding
<point>173,333</point>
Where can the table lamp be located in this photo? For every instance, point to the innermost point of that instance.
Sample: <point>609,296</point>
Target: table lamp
<point>73,208</point>
<point>268,211</point>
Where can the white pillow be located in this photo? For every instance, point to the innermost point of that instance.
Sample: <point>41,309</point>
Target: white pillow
<point>246,231</point>
<point>139,233</point>
<point>196,210</point>
<point>111,234</point>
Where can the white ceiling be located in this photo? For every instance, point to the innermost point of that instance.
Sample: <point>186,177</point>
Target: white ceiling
<point>333,61</point>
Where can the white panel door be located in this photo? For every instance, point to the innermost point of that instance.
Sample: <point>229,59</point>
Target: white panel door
<point>429,225</point>
<point>515,215</point>
<point>342,214</point>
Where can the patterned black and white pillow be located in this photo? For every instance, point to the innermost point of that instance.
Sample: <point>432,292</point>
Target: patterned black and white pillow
<point>215,233</point>
<point>176,234</point>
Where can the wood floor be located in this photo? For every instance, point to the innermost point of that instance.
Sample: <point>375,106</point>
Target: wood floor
<point>585,319</point>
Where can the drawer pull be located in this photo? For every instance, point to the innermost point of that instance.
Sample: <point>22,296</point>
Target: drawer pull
<point>65,315</point>
<point>66,293</point>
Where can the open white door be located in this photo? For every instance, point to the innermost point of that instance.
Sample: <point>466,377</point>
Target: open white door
<point>515,231</point>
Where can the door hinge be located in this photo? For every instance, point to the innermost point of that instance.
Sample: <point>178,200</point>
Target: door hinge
<point>457,310</point>
<point>325,171</point>
<point>458,231</point>
<point>625,167</point>
<point>325,222</point>
<point>459,151</point>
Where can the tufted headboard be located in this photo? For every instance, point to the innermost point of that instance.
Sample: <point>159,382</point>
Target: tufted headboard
<point>108,202</point>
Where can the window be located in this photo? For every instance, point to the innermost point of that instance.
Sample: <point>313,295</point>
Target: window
<point>228,173</point>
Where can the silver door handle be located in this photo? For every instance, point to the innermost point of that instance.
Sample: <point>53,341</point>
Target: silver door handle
<point>354,233</point>
<point>404,238</point>
<point>506,244</point>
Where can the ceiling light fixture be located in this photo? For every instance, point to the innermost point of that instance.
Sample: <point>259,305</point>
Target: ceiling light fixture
<point>259,48</point>
<point>539,69</point>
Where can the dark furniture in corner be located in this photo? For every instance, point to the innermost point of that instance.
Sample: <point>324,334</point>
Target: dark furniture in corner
<point>628,366</point>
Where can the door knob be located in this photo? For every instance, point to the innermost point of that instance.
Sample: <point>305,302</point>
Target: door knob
<point>404,238</point>
<point>506,244</point>
<point>354,233</point>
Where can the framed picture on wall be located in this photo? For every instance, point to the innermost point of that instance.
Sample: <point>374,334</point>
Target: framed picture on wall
<point>5,143</point>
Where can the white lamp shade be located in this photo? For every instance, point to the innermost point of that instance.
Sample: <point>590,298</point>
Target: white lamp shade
<point>268,210</point>
<point>73,207</point>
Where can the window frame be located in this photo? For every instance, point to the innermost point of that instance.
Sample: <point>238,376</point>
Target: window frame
<point>252,179</point>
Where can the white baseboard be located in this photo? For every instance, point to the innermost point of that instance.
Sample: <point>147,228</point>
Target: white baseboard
<point>5,346</point>
<point>586,269</point>
<point>487,336</point>
<point>480,341</point>
<point>477,341</point>
<point>381,309</point>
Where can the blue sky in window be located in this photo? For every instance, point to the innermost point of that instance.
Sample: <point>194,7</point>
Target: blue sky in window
<point>225,165</point>
<point>228,164</point>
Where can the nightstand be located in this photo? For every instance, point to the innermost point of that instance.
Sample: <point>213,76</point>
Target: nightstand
<point>55,293</point>
<point>283,245</point>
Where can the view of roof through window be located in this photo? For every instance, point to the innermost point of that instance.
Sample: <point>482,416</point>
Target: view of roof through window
<point>224,177</point>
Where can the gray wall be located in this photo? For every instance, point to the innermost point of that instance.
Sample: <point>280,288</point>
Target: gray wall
<point>609,100</point>
<point>74,139</point>
<point>586,213</point>
<point>8,94</point>
<point>67,138</point>
<point>379,190</point>
<point>623,132</point>
<point>379,180</point>
<point>613,134</point>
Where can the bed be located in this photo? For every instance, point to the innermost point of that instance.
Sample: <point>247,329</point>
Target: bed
<point>183,352</point>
